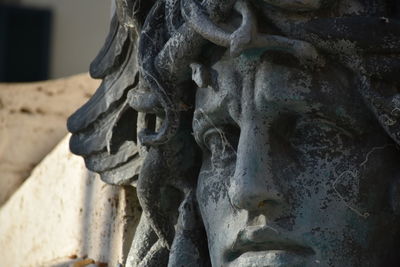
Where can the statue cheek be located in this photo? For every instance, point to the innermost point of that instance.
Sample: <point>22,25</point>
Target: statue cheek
<point>210,188</point>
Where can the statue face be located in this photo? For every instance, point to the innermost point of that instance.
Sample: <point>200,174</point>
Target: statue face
<point>296,171</point>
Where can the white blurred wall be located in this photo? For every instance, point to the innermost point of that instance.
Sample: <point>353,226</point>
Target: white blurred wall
<point>79,31</point>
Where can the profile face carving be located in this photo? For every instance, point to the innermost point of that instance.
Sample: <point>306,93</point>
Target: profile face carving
<point>256,132</point>
<point>295,172</point>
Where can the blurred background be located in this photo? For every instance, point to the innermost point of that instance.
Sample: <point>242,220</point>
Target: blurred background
<point>48,39</point>
<point>53,211</point>
<point>46,47</point>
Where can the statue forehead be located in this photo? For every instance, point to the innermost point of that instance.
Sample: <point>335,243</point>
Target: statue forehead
<point>246,84</point>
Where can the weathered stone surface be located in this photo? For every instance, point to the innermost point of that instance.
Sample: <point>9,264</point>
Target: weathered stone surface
<point>64,213</point>
<point>32,122</point>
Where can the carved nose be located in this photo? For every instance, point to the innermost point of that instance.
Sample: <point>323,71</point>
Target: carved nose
<point>251,193</point>
<point>253,185</point>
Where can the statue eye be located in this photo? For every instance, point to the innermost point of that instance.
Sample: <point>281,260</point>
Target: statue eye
<point>319,136</point>
<point>221,140</point>
<point>212,138</point>
<point>220,145</point>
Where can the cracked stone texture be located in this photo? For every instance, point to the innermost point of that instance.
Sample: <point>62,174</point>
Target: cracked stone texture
<point>32,122</point>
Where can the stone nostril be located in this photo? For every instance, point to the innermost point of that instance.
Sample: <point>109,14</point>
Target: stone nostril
<point>253,200</point>
<point>262,204</point>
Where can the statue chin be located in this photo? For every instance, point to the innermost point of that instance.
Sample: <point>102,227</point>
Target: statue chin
<point>281,147</point>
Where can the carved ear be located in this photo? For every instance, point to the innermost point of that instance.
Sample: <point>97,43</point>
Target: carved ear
<point>200,75</point>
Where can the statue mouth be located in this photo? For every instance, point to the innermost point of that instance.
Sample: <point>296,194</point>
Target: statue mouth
<point>268,245</point>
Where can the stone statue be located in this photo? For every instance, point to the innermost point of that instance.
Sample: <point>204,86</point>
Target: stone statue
<point>268,130</point>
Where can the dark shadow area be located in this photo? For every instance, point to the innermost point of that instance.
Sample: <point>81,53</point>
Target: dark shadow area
<point>108,221</point>
<point>24,43</point>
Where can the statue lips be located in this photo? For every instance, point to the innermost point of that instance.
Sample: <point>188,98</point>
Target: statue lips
<point>265,246</point>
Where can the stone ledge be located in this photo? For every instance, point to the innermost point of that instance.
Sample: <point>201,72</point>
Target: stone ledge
<point>32,121</point>
<point>64,211</point>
